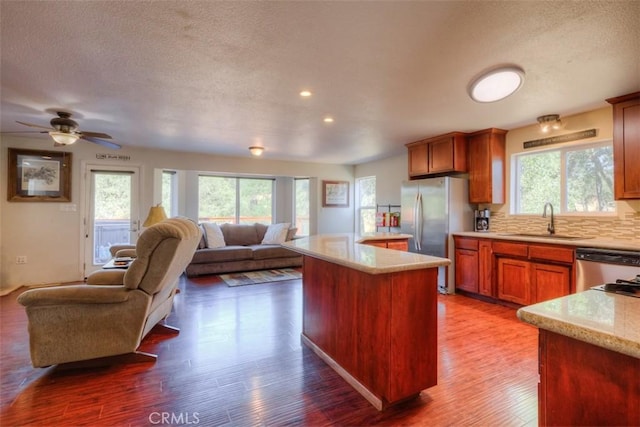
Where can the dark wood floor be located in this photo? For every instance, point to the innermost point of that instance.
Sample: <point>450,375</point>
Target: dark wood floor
<point>238,361</point>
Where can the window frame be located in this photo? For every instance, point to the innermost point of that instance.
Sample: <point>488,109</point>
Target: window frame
<point>360,208</point>
<point>559,210</point>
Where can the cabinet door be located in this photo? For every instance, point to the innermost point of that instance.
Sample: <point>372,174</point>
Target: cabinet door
<point>399,245</point>
<point>514,282</point>
<point>441,155</point>
<point>486,164</point>
<point>418,159</point>
<point>626,146</point>
<point>549,281</point>
<point>467,270</point>
<point>485,261</point>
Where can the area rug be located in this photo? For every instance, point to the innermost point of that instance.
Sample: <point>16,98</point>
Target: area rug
<point>264,276</point>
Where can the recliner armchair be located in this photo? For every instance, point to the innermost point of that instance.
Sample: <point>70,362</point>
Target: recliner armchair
<point>115,310</point>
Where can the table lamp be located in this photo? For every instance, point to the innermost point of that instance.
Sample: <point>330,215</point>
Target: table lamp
<point>156,214</point>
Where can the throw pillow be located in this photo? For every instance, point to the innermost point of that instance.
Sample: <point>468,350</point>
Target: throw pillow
<point>215,238</point>
<point>276,234</point>
<point>291,233</point>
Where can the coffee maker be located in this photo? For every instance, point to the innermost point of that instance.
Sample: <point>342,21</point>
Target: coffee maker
<point>482,218</point>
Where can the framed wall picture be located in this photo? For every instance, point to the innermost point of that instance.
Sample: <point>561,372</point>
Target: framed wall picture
<point>39,176</point>
<point>335,194</point>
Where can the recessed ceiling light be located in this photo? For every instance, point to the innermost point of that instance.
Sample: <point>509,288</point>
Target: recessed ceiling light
<point>305,93</point>
<point>328,119</point>
<point>496,84</point>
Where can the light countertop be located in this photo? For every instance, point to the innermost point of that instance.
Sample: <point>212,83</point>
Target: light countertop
<point>598,242</point>
<point>381,235</point>
<point>600,318</point>
<point>346,249</point>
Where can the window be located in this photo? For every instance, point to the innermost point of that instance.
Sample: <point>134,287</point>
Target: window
<point>169,193</point>
<point>575,179</point>
<point>301,206</point>
<point>235,200</point>
<point>366,204</point>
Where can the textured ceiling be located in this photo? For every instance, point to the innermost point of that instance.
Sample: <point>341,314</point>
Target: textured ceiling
<point>217,77</point>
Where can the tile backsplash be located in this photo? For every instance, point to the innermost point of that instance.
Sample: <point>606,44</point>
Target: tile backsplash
<point>625,228</point>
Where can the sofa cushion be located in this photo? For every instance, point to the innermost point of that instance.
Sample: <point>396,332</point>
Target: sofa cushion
<point>276,233</point>
<point>215,238</point>
<point>240,234</point>
<point>291,233</point>
<point>228,253</point>
<point>261,229</point>
<point>272,251</point>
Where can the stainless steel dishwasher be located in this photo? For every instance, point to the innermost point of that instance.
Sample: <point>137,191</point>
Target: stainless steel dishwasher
<point>599,266</point>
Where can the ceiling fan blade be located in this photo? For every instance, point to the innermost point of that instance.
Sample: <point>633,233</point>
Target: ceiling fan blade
<point>25,131</point>
<point>34,126</point>
<point>107,144</point>
<point>96,135</point>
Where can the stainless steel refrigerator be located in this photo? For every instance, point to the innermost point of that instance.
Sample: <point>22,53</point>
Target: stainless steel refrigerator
<point>431,210</point>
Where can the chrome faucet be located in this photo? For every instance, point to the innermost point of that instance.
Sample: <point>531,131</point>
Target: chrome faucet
<point>550,228</point>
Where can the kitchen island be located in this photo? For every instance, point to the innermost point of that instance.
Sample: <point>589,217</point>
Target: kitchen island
<point>589,359</point>
<point>371,314</point>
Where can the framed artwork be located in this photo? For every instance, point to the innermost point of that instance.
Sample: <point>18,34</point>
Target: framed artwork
<point>39,176</point>
<point>335,194</point>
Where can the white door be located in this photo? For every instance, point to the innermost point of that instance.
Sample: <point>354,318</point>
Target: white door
<point>112,212</point>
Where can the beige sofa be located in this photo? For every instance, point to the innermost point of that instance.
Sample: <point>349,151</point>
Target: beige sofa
<point>117,308</point>
<point>243,250</point>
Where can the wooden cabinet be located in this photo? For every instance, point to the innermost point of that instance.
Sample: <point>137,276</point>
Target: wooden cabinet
<point>486,165</point>
<point>485,268</point>
<point>583,384</point>
<point>445,153</point>
<point>397,244</point>
<point>514,280</point>
<point>473,265</point>
<point>626,146</point>
<point>518,272</point>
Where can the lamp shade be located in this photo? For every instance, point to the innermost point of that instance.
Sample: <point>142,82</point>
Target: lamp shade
<point>156,215</point>
<point>64,138</point>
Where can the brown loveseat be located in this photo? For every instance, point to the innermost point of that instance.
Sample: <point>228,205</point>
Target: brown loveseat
<point>243,250</point>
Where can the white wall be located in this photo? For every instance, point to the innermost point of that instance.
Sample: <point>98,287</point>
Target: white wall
<point>389,173</point>
<point>51,238</point>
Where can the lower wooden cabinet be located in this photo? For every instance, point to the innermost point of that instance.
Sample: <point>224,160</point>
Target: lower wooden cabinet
<point>397,244</point>
<point>514,280</point>
<point>510,271</point>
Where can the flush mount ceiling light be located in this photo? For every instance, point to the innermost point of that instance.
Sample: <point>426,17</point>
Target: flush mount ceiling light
<point>256,150</point>
<point>496,84</point>
<point>550,122</point>
<point>328,119</point>
<point>64,138</point>
<point>305,93</point>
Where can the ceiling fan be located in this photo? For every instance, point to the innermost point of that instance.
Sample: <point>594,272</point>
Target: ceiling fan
<point>64,131</point>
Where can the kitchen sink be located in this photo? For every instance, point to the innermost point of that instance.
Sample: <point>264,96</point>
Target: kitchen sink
<point>545,236</point>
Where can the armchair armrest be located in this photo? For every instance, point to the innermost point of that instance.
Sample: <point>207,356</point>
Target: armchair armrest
<point>131,253</point>
<point>114,249</point>
<point>106,277</point>
<point>74,294</point>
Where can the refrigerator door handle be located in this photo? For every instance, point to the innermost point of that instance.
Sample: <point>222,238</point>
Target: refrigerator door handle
<point>419,222</point>
<point>415,222</point>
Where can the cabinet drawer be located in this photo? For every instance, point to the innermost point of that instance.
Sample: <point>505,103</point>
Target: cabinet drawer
<point>506,248</point>
<point>552,253</point>
<point>399,245</point>
<point>466,243</point>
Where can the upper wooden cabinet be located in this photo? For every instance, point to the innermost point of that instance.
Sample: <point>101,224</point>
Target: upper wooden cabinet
<point>486,163</point>
<point>445,153</point>
<point>626,145</point>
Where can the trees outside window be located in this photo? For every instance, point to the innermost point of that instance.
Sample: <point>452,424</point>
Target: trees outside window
<point>575,179</point>
<point>301,206</point>
<point>235,200</point>
<point>366,204</point>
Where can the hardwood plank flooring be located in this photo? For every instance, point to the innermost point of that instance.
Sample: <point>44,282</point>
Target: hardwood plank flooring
<point>238,361</point>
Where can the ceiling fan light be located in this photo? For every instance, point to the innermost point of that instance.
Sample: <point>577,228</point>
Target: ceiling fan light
<point>496,84</point>
<point>64,138</point>
<point>549,123</point>
<point>256,150</point>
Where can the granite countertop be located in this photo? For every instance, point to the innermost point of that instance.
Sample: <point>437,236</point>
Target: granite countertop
<point>600,318</point>
<point>345,249</point>
<point>598,242</point>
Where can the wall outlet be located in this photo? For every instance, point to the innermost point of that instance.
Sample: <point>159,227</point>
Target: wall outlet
<point>21,259</point>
